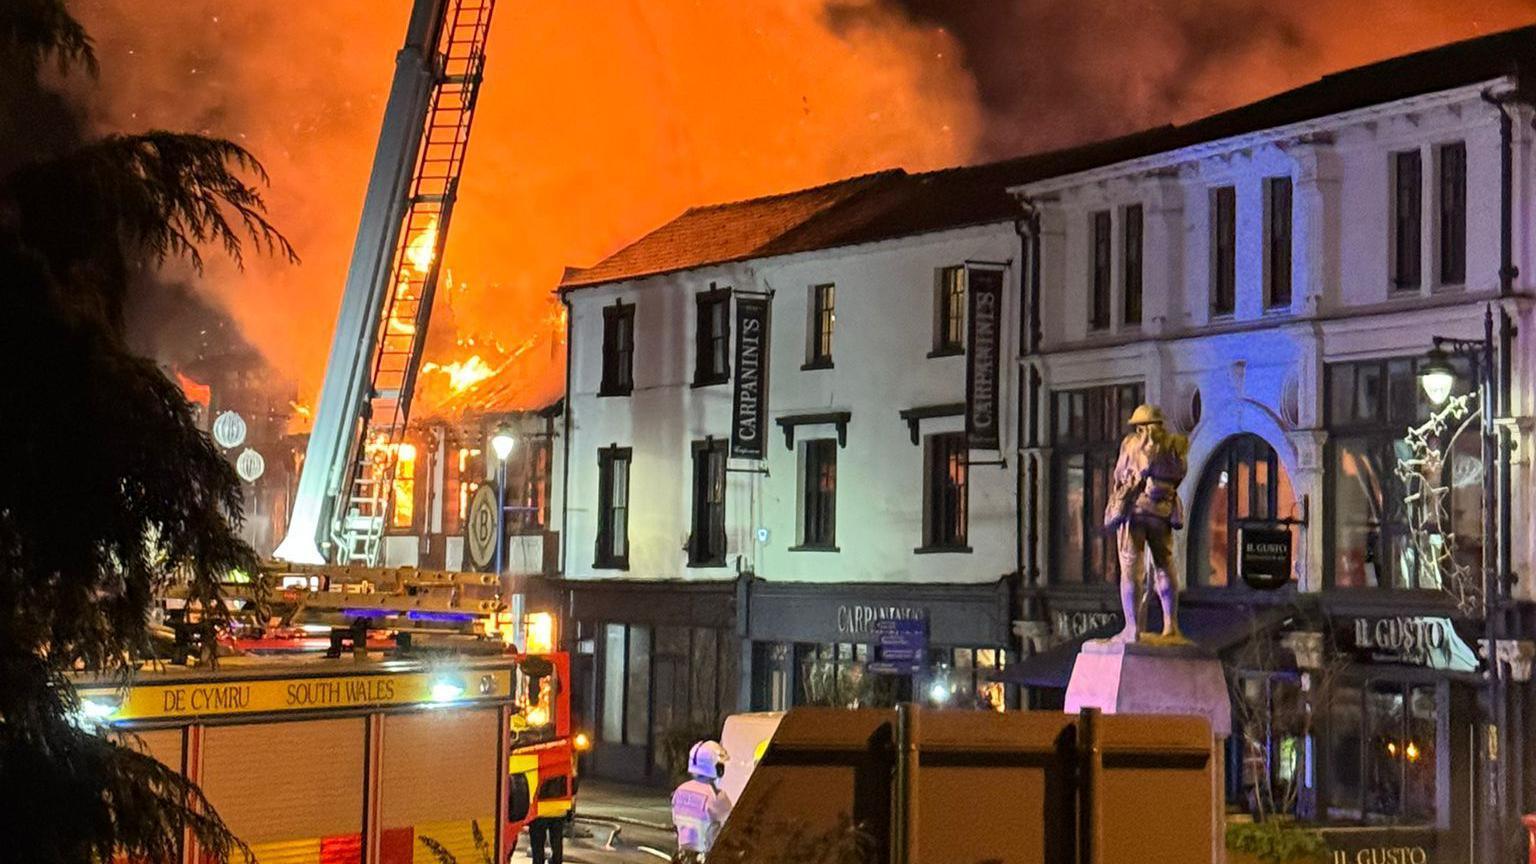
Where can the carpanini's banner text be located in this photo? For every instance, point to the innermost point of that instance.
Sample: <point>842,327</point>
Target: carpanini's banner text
<point>749,403</point>
<point>984,286</point>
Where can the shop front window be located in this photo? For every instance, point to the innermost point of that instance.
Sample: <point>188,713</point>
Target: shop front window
<point>1243,485</point>
<point>1087,426</point>
<point>1371,405</point>
<point>1384,753</point>
<point>833,674</point>
<point>1274,742</point>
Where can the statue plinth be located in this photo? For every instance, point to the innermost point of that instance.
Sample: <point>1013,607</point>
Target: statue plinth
<point>1146,678</point>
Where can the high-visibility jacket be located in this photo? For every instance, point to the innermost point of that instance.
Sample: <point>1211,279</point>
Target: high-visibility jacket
<point>698,811</point>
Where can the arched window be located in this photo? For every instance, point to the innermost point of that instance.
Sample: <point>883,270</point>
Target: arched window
<point>1243,484</point>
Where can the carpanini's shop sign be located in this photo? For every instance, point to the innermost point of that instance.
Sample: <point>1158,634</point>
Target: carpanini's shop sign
<point>277,695</point>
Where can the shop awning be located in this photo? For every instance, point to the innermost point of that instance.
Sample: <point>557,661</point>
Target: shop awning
<point>1217,629</point>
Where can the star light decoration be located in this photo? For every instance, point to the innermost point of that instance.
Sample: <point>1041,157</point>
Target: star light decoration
<point>1431,529</point>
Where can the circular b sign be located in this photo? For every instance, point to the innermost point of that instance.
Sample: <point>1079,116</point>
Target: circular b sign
<point>480,527</point>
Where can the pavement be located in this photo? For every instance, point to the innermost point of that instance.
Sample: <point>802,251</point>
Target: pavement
<point>616,824</point>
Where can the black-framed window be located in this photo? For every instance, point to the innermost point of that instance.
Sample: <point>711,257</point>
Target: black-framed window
<point>946,491</point>
<point>613,508</point>
<point>618,350</point>
<point>706,542</point>
<point>404,490</point>
<point>949,312</point>
<point>1383,752</point>
<point>1277,242</point>
<point>1271,749</point>
<point>1130,262</point>
<point>1370,405</point>
<point>712,338</point>
<point>1099,272</point>
<point>1223,250</point>
<point>1453,213</point>
<point>823,308</point>
<point>1243,484</point>
<point>818,494</point>
<point>1407,218</point>
<point>1087,427</point>
<point>528,487</point>
<point>626,692</point>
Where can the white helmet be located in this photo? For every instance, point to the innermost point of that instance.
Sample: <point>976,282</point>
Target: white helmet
<point>707,759</point>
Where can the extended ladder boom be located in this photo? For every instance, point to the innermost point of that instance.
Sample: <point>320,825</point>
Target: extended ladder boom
<point>345,484</point>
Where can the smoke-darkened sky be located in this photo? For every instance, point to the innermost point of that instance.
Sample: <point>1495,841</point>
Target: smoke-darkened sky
<point>1058,72</point>
<point>601,119</point>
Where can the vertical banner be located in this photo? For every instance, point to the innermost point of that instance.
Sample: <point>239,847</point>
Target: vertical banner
<point>749,403</point>
<point>982,361</point>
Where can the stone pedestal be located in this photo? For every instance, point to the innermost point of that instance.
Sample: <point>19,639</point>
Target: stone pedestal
<point>1136,678</point>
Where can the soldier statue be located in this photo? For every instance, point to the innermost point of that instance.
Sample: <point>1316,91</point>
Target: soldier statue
<point>1143,510</point>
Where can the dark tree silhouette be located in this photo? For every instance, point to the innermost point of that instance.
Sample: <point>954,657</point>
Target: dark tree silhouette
<point>108,490</point>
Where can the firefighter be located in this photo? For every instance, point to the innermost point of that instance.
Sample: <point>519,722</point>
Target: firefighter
<point>699,806</point>
<point>547,833</point>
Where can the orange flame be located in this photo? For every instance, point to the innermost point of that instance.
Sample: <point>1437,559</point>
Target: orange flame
<point>462,374</point>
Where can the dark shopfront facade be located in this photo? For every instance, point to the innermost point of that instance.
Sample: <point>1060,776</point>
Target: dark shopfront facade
<point>1353,712</point>
<point>810,643</point>
<point>651,661</point>
<point>658,664</point>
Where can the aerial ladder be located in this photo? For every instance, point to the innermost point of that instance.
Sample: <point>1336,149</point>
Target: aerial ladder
<point>341,508</point>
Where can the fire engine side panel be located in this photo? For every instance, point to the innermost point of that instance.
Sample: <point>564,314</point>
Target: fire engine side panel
<point>293,790</point>
<point>438,778</point>
<point>163,744</point>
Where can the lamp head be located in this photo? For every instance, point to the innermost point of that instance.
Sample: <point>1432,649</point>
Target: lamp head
<point>1437,376</point>
<point>502,443</point>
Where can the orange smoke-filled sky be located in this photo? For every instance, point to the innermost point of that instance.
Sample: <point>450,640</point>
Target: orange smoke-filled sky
<point>600,120</point>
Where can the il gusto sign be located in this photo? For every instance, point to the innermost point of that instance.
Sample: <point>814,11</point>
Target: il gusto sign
<point>858,619</point>
<point>1414,640</point>
<point>1266,558</point>
<point>1383,855</point>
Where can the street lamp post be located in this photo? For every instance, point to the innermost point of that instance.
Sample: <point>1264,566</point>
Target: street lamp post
<point>1437,376</point>
<point>501,444</point>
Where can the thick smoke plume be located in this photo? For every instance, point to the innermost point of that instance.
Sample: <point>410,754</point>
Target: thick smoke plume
<point>1052,73</point>
<point>596,123</point>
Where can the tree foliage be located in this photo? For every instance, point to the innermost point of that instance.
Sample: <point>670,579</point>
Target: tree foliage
<point>109,492</point>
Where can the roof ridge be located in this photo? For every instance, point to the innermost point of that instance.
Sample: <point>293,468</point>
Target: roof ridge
<point>759,199</point>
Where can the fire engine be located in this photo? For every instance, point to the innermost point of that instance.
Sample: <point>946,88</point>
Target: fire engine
<point>331,642</point>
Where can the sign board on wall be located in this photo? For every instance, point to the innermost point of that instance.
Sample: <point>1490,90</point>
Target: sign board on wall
<point>1265,561</point>
<point>901,646</point>
<point>480,529</point>
<point>749,401</point>
<point>1411,640</point>
<point>983,356</point>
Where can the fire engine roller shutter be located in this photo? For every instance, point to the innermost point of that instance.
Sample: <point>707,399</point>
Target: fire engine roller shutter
<point>438,776</point>
<point>293,790</point>
<point>163,744</point>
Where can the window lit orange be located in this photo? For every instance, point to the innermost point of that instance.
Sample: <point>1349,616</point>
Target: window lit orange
<point>403,511</point>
